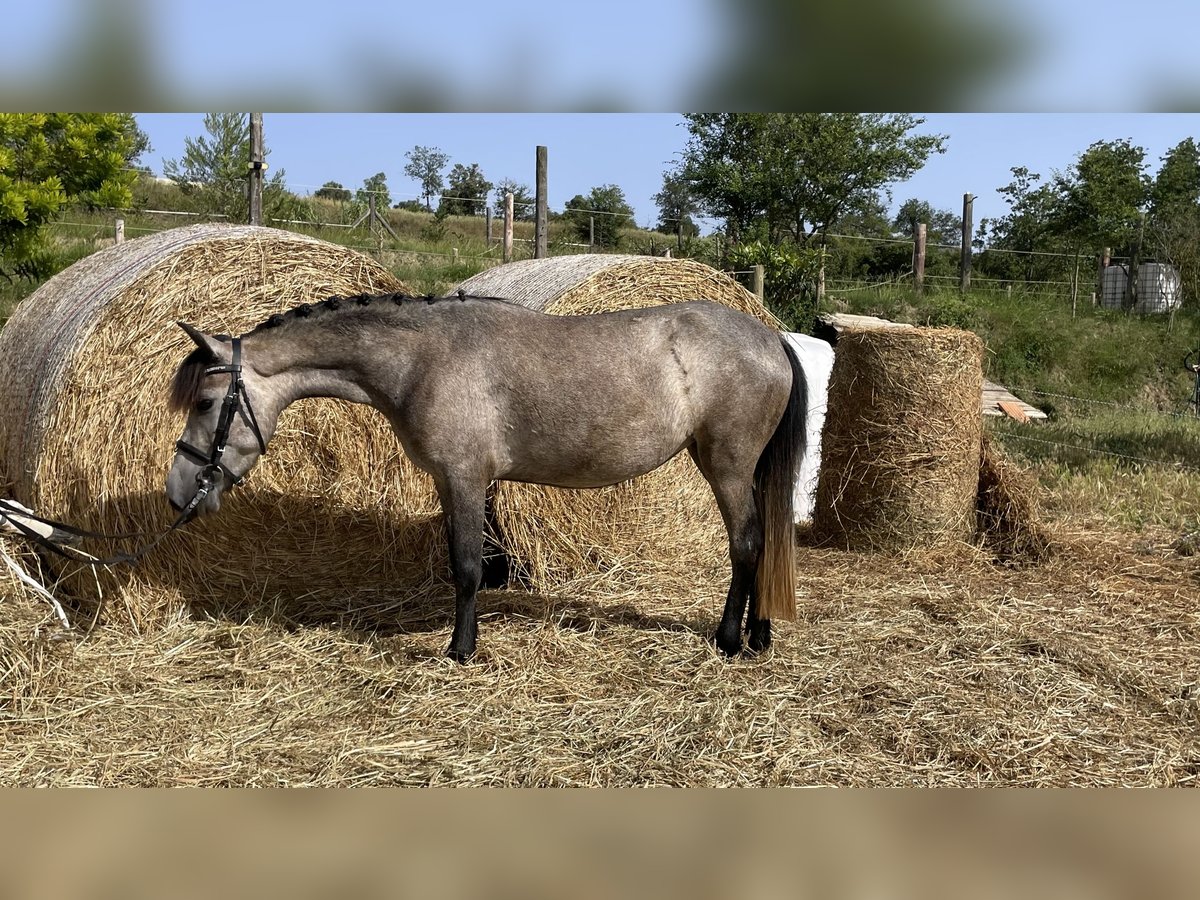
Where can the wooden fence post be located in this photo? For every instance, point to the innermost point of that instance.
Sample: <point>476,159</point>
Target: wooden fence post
<point>919,233</point>
<point>256,168</point>
<point>1101,265</point>
<point>541,245</point>
<point>1075,285</point>
<point>119,231</point>
<point>821,277</point>
<point>964,281</point>
<point>487,227</point>
<point>758,283</point>
<point>508,227</point>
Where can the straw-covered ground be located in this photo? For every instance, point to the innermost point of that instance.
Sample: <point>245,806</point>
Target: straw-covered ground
<point>942,669</point>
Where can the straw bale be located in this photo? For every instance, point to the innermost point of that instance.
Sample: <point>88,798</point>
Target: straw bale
<point>657,532</point>
<point>900,453</point>
<point>1007,518</point>
<point>327,517</point>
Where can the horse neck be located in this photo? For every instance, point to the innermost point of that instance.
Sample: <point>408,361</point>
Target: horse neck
<point>297,363</point>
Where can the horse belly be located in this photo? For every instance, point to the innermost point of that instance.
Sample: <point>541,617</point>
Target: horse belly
<point>589,455</point>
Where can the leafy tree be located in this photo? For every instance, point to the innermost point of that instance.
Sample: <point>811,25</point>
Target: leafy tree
<point>50,160</point>
<point>468,191</point>
<point>524,205</point>
<point>798,174</point>
<point>676,206</point>
<point>332,190</point>
<point>1025,229</point>
<point>1099,200</point>
<point>607,207</point>
<point>789,279</point>
<point>1177,185</point>
<point>377,185</point>
<point>1173,224</point>
<point>942,226</point>
<point>213,171</point>
<point>425,165</point>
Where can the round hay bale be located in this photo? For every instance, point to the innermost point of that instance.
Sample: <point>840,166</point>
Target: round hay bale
<point>901,449</point>
<point>329,517</point>
<point>660,534</point>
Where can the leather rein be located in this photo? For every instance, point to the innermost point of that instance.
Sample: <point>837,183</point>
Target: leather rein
<point>236,401</point>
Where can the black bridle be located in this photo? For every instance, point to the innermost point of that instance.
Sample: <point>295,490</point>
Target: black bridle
<point>62,535</point>
<point>236,401</point>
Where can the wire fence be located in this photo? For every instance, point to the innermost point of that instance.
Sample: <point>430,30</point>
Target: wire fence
<point>97,228</point>
<point>476,245</point>
<point>1176,464</point>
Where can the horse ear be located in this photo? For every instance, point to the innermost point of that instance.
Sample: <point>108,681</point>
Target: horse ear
<point>209,344</point>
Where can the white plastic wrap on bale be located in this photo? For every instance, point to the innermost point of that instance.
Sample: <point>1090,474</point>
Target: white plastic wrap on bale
<point>1113,285</point>
<point>1157,288</point>
<point>816,356</point>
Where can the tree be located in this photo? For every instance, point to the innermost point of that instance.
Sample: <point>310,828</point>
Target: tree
<point>1016,243</point>
<point>425,164</point>
<point>607,207</point>
<point>468,191</point>
<point>676,206</point>
<point>377,185</point>
<point>942,226</point>
<point>797,174</point>
<point>1177,185</point>
<point>50,160</point>
<point>1173,223</point>
<point>1099,201</point>
<point>332,190</point>
<point>213,171</point>
<point>524,207</point>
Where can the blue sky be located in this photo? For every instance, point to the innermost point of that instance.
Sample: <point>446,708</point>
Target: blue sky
<point>632,149</point>
<point>530,55</point>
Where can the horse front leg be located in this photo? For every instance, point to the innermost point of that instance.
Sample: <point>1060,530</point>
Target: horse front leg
<point>463,509</point>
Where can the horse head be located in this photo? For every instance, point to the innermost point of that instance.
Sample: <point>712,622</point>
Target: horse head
<point>223,438</point>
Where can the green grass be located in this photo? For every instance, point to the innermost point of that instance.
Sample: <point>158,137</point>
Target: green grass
<point>1125,469</point>
<point>1121,448</point>
<point>1033,342</point>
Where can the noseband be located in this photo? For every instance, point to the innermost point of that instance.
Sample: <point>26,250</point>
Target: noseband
<point>236,400</point>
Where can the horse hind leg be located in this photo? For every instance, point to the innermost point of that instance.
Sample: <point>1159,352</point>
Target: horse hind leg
<point>463,509</point>
<point>497,570</point>
<point>735,499</point>
<point>745,546</point>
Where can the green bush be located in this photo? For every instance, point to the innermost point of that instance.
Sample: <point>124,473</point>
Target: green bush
<point>790,276</point>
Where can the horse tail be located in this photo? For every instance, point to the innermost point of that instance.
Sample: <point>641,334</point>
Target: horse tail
<point>774,492</point>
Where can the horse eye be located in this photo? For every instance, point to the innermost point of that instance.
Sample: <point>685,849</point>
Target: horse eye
<point>204,405</point>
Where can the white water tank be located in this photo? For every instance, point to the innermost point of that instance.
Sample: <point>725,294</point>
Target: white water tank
<point>1157,288</point>
<point>1114,283</point>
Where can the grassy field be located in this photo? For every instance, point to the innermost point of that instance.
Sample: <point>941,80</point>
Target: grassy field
<point>428,254</point>
<point>947,668</point>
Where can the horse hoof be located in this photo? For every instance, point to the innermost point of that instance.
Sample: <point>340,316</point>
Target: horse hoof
<point>758,638</point>
<point>728,646</point>
<point>459,655</point>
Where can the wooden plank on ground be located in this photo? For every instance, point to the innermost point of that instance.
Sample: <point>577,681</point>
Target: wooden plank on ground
<point>1012,410</point>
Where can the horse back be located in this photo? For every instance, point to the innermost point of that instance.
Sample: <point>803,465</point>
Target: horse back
<point>596,399</point>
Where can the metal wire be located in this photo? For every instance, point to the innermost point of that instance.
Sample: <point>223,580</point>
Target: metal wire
<point>1139,459</point>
